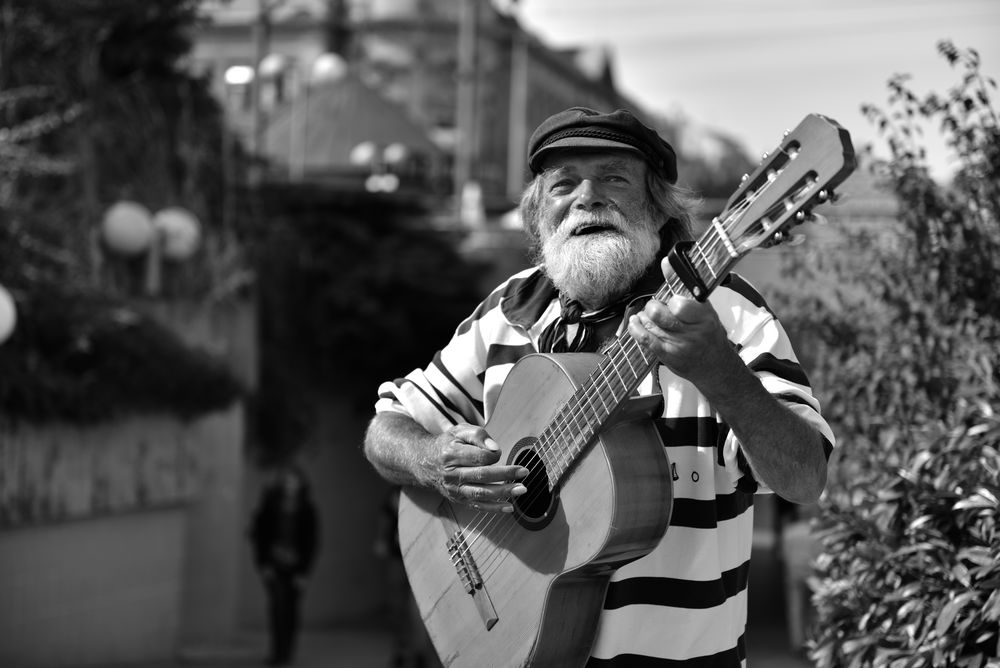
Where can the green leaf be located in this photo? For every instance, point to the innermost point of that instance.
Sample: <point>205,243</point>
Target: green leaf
<point>981,498</point>
<point>950,611</point>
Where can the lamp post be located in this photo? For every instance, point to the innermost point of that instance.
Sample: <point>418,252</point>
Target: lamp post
<point>325,68</point>
<point>173,233</point>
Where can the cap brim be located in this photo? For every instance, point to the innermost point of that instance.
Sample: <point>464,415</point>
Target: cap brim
<point>581,143</point>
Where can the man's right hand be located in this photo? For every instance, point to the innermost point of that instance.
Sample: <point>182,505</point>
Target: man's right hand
<point>462,465</point>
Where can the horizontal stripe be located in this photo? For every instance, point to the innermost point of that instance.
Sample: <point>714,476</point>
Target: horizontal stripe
<point>785,369</point>
<point>686,431</point>
<point>677,593</point>
<point>499,353</point>
<point>697,514</point>
<point>730,658</point>
<point>671,633</point>
<point>695,554</point>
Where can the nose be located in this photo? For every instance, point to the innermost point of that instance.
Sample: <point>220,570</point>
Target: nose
<point>589,196</point>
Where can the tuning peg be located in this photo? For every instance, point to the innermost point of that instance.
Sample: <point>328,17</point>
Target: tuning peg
<point>795,240</point>
<point>823,195</point>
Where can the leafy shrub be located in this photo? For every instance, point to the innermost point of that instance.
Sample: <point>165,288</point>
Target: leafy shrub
<point>83,358</point>
<point>908,362</point>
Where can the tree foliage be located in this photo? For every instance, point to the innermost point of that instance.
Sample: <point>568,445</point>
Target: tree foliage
<point>354,290</point>
<point>908,363</point>
<point>96,105</point>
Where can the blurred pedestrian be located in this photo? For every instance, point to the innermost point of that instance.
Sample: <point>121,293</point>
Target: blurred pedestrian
<point>284,535</point>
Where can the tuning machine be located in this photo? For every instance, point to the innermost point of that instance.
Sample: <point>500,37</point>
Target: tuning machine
<point>787,238</point>
<point>829,197</point>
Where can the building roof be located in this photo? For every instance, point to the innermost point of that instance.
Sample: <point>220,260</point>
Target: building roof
<point>323,126</point>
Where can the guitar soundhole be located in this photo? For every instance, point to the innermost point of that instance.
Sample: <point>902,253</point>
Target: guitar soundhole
<point>535,509</point>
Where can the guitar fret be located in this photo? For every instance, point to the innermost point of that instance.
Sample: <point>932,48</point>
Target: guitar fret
<point>620,379</point>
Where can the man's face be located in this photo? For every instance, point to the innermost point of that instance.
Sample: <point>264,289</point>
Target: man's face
<point>595,224</point>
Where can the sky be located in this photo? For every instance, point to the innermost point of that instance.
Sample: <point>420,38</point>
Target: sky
<point>755,68</point>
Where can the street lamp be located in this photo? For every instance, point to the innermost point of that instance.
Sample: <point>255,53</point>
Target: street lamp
<point>173,233</point>
<point>8,314</point>
<point>382,164</point>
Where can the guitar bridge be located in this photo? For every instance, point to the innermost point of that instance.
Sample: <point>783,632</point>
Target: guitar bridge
<point>468,573</point>
<point>465,566</point>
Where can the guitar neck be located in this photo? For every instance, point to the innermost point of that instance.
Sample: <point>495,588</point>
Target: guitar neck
<point>626,363</point>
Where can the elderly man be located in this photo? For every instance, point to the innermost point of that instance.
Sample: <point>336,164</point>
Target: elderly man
<point>738,415</point>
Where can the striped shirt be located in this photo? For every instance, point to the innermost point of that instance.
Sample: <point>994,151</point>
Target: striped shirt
<point>684,603</point>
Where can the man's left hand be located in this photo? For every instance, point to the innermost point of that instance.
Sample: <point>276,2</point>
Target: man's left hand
<point>686,336</point>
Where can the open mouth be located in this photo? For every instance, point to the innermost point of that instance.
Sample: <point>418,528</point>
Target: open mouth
<point>592,228</point>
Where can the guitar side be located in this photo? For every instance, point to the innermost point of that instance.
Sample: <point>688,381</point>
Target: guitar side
<point>543,584</point>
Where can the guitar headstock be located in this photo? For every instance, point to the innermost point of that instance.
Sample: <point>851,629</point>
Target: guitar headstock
<point>800,173</point>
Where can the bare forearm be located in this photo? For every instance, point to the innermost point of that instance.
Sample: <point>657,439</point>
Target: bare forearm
<point>784,451</point>
<point>399,449</point>
<point>460,463</point>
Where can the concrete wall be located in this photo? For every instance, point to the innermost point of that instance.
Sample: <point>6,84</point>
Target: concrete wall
<point>92,592</point>
<point>213,537</point>
<point>119,542</point>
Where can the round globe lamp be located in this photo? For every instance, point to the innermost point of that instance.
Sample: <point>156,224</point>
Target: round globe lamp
<point>180,233</point>
<point>8,314</point>
<point>127,228</point>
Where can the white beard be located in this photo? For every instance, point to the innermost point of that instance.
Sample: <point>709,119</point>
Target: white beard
<point>598,268</point>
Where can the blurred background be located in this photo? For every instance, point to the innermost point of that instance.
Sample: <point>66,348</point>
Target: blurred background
<point>224,222</point>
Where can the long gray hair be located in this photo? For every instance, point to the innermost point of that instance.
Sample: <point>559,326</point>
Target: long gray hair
<point>670,204</point>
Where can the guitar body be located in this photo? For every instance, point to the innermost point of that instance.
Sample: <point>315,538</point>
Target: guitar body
<point>540,573</point>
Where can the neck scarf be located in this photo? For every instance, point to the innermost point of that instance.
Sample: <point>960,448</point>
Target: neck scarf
<point>555,338</point>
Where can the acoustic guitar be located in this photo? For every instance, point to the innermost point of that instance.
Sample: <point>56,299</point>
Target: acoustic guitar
<point>527,588</point>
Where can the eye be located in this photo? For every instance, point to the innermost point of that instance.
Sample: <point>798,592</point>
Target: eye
<point>562,186</point>
<point>616,178</point>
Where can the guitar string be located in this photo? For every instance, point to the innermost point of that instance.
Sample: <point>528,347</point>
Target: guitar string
<point>623,352</point>
<point>548,442</point>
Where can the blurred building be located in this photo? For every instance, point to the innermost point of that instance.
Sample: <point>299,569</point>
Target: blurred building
<point>463,74</point>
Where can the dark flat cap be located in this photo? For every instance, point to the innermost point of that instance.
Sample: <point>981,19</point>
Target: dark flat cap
<point>580,127</point>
